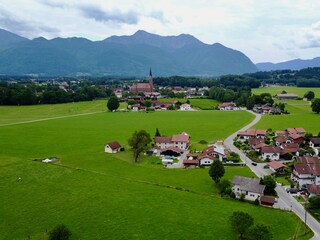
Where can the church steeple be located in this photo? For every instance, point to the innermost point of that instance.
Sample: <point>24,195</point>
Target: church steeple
<point>150,73</point>
<point>150,80</point>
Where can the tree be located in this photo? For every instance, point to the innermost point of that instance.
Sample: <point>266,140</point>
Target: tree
<point>139,142</point>
<point>259,232</point>
<point>59,232</point>
<point>216,171</point>
<point>147,103</point>
<point>315,106</point>
<point>309,95</point>
<point>283,92</point>
<point>270,184</point>
<point>113,103</point>
<point>157,133</point>
<point>314,202</point>
<point>241,222</point>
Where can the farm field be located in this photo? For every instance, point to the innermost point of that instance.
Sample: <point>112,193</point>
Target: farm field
<point>204,104</point>
<point>278,89</point>
<point>300,116</point>
<point>101,196</point>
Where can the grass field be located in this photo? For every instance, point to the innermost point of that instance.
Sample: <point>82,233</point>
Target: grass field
<point>101,196</point>
<point>278,89</point>
<point>204,104</point>
<point>300,116</point>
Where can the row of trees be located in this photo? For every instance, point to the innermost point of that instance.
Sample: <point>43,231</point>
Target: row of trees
<point>18,94</point>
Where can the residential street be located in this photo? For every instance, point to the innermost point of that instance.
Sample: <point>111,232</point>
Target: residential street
<point>285,200</point>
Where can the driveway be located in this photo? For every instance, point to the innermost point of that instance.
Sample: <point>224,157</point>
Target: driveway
<point>285,200</point>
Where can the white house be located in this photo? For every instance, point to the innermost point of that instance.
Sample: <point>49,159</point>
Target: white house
<point>315,144</point>
<point>180,141</point>
<point>304,174</point>
<point>270,152</point>
<point>250,187</point>
<point>228,106</point>
<point>185,107</point>
<point>313,190</point>
<point>112,147</point>
<point>206,160</point>
<point>216,150</point>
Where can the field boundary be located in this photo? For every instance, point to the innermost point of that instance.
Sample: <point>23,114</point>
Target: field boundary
<point>47,119</point>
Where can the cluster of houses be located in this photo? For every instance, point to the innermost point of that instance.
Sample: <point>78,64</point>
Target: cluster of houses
<point>227,106</point>
<point>266,109</point>
<point>285,142</point>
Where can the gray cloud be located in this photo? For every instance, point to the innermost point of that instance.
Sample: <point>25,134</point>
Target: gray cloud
<point>158,15</point>
<point>22,27</point>
<point>115,16</point>
<point>54,4</point>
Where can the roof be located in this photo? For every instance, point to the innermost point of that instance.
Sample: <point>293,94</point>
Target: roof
<point>300,130</point>
<point>182,137</point>
<point>287,95</point>
<point>162,139</point>
<point>313,189</point>
<point>295,136</point>
<point>267,199</point>
<point>270,149</point>
<point>248,184</point>
<point>315,140</point>
<point>281,132</point>
<point>174,149</point>
<point>191,162</point>
<point>185,105</point>
<point>114,145</point>
<point>303,168</point>
<point>252,132</point>
<point>206,156</point>
<point>276,165</point>
<point>281,138</point>
<point>227,104</point>
<point>308,159</point>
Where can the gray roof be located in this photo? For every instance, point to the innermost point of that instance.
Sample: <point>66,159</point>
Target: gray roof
<point>248,184</point>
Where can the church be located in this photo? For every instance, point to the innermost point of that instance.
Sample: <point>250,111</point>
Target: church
<point>146,88</point>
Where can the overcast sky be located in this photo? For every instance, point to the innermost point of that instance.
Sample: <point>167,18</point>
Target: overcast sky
<point>273,30</point>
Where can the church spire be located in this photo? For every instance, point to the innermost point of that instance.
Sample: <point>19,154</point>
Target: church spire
<point>150,73</point>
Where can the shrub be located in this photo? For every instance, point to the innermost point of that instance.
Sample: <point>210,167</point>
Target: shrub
<point>203,142</point>
<point>242,196</point>
<point>59,232</point>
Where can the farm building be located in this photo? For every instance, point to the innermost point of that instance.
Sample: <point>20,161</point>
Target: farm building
<point>112,147</point>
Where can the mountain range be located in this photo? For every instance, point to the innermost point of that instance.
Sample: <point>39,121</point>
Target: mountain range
<point>119,55</point>
<point>296,64</point>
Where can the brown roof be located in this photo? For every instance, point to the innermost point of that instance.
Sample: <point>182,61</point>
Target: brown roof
<point>291,130</point>
<point>270,149</point>
<point>261,145</point>
<point>174,149</point>
<point>314,189</point>
<point>300,130</point>
<point>313,169</point>
<point>227,104</point>
<point>252,132</point>
<point>191,162</point>
<point>281,139</point>
<point>295,136</point>
<point>182,137</point>
<point>287,95</point>
<point>308,159</point>
<point>255,141</point>
<point>267,199</point>
<point>162,139</point>
<point>206,156</point>
<point>282,132</point>
<point>114,145</point>
<point>276,165</point>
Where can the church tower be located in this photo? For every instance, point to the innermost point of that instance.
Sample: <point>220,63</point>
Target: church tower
<point>150,80</point>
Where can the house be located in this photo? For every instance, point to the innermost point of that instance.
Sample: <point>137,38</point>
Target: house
<point>118,92</point>
<point>180,141</point>
<point>292,148</point>
<point>313,190</point>
<point>270,152</point>
<point>282,139</point>
<point>206,160</point>
<point>216,150</point>
<point>256,143</point>
<point>315,144</point>
<point>250,187</point>
<point>171,151</point>
<point>251,133</point>
<point>191,160</point>
<point>276,167</point>
<point>185,107</point>
<point>112,147</point>
<point>308,159</point>
<point>304,174</point>
<point>286,96</point>
<point>227,106</point>
<point>267,201</point>
<point>297,138</point>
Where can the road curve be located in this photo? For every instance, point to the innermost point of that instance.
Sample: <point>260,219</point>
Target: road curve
<point>287,200</point>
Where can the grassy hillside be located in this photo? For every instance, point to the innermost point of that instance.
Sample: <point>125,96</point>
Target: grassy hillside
<point>99,196</point>
<point>204,104</point>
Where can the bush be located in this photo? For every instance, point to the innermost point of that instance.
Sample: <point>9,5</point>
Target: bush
<point>287,156</point>
<point>203,142</point>
<point>242,196</point>
<point>59,232</point>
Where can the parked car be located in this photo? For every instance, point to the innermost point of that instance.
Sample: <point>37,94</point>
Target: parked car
<point>254,164</point>
<point>266,166</point>
<point>292,190</point>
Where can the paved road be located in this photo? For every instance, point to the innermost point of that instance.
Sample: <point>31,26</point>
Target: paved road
<point>179,164</point>
<point>285,200</point>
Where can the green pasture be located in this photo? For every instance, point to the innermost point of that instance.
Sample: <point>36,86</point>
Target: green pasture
<point>201,103</point>
<point>294,90</point>
<point>300,116</point>
<point>104,196</point>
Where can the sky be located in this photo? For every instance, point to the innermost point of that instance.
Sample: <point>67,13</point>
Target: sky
<point>266,31</point>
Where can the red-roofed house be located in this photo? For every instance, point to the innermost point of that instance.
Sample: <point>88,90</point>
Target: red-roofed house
<point>270,152</point>
<point>250,133</point>
<point>180,141</point>
<point>308,159</point>
<point>286,96</point>
<point>304,174</point>
<point>227,106</point>
<point>277,167</point>
<point>206,160</point>
<point>112,147</point>
<point>313,190</point>
<point>315,144</point>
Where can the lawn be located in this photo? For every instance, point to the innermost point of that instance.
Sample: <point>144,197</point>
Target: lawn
<point>101,196</point>
<point>300,116</point>
<point>278,89</point>
<point>201,103</point>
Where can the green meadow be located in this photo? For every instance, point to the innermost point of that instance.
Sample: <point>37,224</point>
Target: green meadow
<point>300,111</point>
<point>289,89</point>
<point>201,103</point>
<point>103,196</point>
